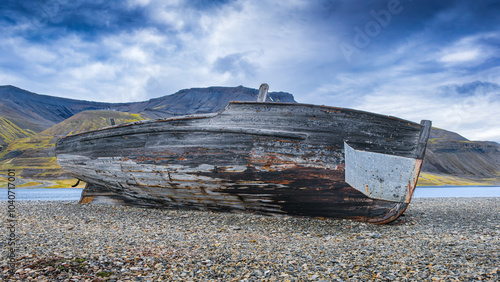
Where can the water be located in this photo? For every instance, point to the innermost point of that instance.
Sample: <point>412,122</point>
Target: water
<point>73,194</point>
<point>456,191</point>
<point>44,194</point>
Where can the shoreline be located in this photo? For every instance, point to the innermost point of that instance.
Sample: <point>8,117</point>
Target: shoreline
<point>438,238</point>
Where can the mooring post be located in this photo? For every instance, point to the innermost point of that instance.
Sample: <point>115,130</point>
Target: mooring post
<point>263,92</point>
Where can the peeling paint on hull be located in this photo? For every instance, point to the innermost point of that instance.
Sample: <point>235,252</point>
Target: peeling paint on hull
<point>270,158</point>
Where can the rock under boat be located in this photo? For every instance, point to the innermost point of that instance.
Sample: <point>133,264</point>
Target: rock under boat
<point>265,157</point>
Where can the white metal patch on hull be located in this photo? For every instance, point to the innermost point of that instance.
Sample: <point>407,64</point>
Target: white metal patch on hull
<point>381,176</point>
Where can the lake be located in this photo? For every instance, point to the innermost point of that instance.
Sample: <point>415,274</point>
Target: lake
<point>73,194</point>
<point>41,194</point>
<point>456,191</point>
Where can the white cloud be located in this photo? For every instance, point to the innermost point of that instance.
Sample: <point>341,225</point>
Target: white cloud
<point>136,3</point>
<point>135,53</point>
<point>461,56</point>
<point>93,72</point>
<point>468,50</point>
<point>37,54</point>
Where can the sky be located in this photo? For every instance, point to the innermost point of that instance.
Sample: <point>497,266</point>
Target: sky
<point>420,59</point>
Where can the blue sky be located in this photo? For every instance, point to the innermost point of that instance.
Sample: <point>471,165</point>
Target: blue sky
<point>417,59</point>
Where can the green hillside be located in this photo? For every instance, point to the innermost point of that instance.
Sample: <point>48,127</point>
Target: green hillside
<point>89,120</point>
<point>9,132</point>
<point>34,158</point>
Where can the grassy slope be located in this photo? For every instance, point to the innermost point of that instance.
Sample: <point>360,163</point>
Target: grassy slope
<point>33,157</point>
<point>431,179</point>
<point>89,120</point>
<point>9,131</point>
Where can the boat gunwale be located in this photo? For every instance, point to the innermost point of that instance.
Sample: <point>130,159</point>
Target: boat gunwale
<point>215,114</point>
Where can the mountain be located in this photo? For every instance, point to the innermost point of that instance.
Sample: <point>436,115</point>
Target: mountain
<point>451,159</point>
<point>37,112</point>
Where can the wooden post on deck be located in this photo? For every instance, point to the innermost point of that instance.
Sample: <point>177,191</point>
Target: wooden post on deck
<point>263,92</point>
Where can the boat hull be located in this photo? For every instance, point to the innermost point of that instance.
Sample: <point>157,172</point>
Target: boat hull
<point>268,158</point>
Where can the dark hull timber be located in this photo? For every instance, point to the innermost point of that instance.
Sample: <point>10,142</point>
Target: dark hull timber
<point>270,158</point>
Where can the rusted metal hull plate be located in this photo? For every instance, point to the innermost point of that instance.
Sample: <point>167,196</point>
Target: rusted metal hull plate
<point>260,157</point>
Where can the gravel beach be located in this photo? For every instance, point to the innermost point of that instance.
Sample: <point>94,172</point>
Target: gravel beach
<point>442,239</point>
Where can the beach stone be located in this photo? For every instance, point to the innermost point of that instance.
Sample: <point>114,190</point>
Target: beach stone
<point>442,239</point>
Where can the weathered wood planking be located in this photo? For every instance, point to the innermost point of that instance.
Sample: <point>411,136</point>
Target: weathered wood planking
<point>253,156</point>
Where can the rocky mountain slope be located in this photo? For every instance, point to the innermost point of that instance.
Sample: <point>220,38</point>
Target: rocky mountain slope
<point>450,159</point>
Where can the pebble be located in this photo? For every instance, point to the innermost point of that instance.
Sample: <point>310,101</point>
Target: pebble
<point>439,239</point>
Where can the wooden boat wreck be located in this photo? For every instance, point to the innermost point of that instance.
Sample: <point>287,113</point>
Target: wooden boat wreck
<point>265,157</point>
